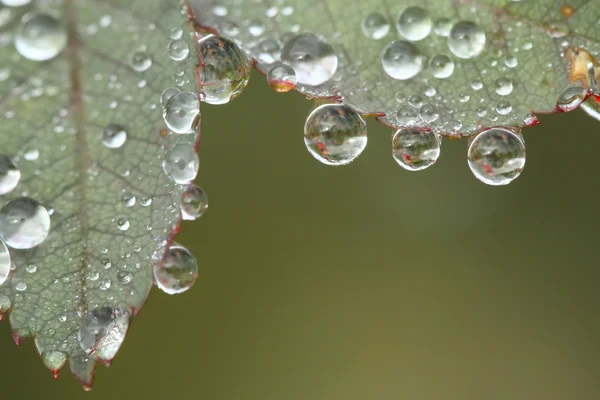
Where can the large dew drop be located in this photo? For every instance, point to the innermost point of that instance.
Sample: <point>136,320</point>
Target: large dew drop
<point>375,26</point>
<point>497,156</point>
<point>40,37</point>
<point>415,149</point>
<point>402,60</point>
<point>194,203</point>
<point>414,23</point>
<point>4,263</point>
<point>24,223</point>
<point>181,164</point>
<point>335,134</point>
<point>178,272</point>
<point>225,69</point>
<point>114,136</point>
<point>282,78</point>
<point>180,111</point>
<point>311,57</point>
<point>466,39</point>
<point>9,174</point>
<point>102,332</point>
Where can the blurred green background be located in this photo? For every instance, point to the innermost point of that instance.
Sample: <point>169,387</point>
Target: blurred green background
<point>365,281</point>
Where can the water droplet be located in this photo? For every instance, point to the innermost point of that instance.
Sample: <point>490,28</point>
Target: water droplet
<point>441,66</point>
<point>123,224</point>
<point>40,37</point>
<point>102,332</point>
<point>442,27</point>
<point>219,11</point>
<point>511,61</point>
<point>282,78</point>
<point>178,50</point>
<point>466,39</point>
<point>335,134</point>
<point>175,32</point>
<point>415,149</point>
<point>429,113</point>
<point>31,268</point>
<point>24,223</point>
<point>375,26</point>
<point>31,155</point>
<point>5,263</point>
<point>476,84</point>
<point>21,287</point>
<point>497,156</point>
<point>225,72</point>
<point>145,201</point>
<point>503,86</point>
<point>194,203</point>
<point>141,61</point>
<point>114,136</point>
<point>592,107</point>
<point>256,28</point>
<point>269,51</point>
<point>9,174</point>
<point>503,107</point>
<point>571,98</point>
<point>414,23</point>
<point>313,59</point>
<point>180,112</point>
<point>530,119</point>
<point>406,116</point>
<point>178,272</point>
<point>181,164</point>
<point>402,60</point>
<point>128,200</point>
<point>124,277</point>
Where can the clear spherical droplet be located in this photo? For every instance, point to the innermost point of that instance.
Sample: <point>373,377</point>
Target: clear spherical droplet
<point>375,26</point>
<point>102,332</point>
<point>181,164</point>
<point>178,272</point>
<point>181,111</point>
<point>335,134</point>
<point>313,59</point>
<point>269,51</point>
<point>503,107</point>
<point>429,113</point>
<point>497,156</point>
<point>141,61</point>
<point>414,23</point>
<point>466,39</point>
<point>24,223</point>
<point>282,78</point>
<point>402,60</point>
<point>441,66</point>
<point>9,174</point>
<point>40,37</point>
<point>123,224</point>
<point>225,72</point>
<point>114,136</point>
<point>178,50</point>
<point>571,98</point>
<point>442,27</point>
<point>415,149</point>
<point>194,203</point>
<point>503,86</point>
<point>4,263</point>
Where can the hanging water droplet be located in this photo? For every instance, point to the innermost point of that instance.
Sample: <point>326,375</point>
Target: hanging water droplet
<point>123,224</point>
<point>9,174</point>
<point>194,203</point>
<point>5,263</point>
<point>571,98</point>
<point>504,86</point>
<point>402,60</point>
<point>429,113</point>
<point>225,72</point>
<point>414,23</point>
<point>282,78</point>
<point>497,156</point>
<point>181,111</point>
<point>592,107</point>
<point>335,134</point>
<point>114,136</point>
<point>375,26</point>
<point>466,39</point>
<point>442,27</point>
<point>178,272</point>
<point>141,61</point>
<point>181,164</point>
<point>40,37</point>
<point>102,332</point>
<point>530,119</point>
<point>441,66</point>
<point>415,149</point>
<point>313,59</point>
<point>178,50</point>
<point>24,223</point>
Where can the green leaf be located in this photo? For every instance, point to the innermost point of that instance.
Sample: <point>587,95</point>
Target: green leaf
<point>539,47</point>
<point>113,210</point>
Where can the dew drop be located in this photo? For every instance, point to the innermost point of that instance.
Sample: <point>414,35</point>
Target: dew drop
<point>178,50</point>
<point>31,154</point>
<point>141,61</point>
<point>123,224</point>
<point>592,108</point>
<point>282,78</point>
<point>402,60</point>
<point>114,136</point>
<point>178,272</point>
<point>375,26</point>
<point>269,51</point>
<point>335,134</point>
<point>414,23</point>
<point>181,164</point>
<point>40,37</point>
<point>21,287</point>
<point>497,156</point>
<point>24,223</point>
<point>175,33</point>
<point>466,39</point>
<point>476,84</point>
<point>9,174</point>
<point>181,111</point>
<point>102,332</point>
<point>128,200</point>
<point>503,86</point>
<point>503,107</point>
<point>31,268</point>
<point>415,149</point>
<point>311,57</point>
<point>406,116</point>
<point>194,203</point>
<point>442,27</point>
<point>571,98</point>
<point>256,28</point>
<point>429,113</point>
<point>225,72</point>
<point>5,264</point>
<point>511,61</point>
<point>441,66</point>
<point>124,277</point>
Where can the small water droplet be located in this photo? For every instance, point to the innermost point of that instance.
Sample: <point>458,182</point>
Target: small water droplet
<point>571,98</point>
<point>141,61</point>
<point>31,155</point>
<point>175,32</point>
<point>414,23</point>
<point>375,26</point>
<point>402,60</point>
<point>102,332</point>
<point>5,264</point>
<point>442,27</point>
<point>269,51</point>
<point>24,223</point>
<point>476,84</point>
<point>406,116</point>
<point>429,113</point>
<point>124,277</point>
<point>282,78</point>
<point>181,164</point>
<point>503,86</point>
<point>9,174</point>
<point>441,66</point>
<point>219,10</point>
<point>497,156</point>
<point>31,268</point>
<point>105,284</point>
<point>21,287</point>
<point>335,134</point>
<point>256,28</point>
<point>592,107</point>
<point>503,107</point>
<point>311,57</point>
<point>178,50</point>
<point>114,136</point>
<point>145,201</point>
<point>466,39</point>
<point>40,37</point>
<point>511,61</point>
<point>178,272</point>
<point>123,224</point>
<point>415,149</point>
<point>415,101</point>
<point>194,203</point>
<point>128,200</point>
<point>181,111</point>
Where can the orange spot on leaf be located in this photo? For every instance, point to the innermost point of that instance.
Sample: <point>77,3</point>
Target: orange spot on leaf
<point>567,10</point>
